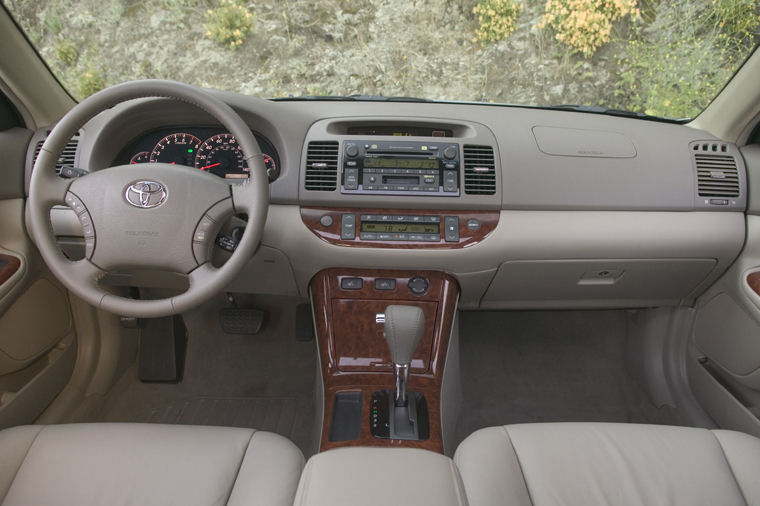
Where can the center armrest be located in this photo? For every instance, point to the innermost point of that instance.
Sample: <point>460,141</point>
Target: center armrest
<point>380,476</point>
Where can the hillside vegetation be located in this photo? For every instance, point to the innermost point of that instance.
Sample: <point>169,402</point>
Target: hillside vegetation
<point>662,58</point>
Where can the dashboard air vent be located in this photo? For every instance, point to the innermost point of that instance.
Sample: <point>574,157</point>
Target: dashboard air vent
<point>67,157</point>
<point>717,174</point>
<point>479,170</point>
<point>321,166</point>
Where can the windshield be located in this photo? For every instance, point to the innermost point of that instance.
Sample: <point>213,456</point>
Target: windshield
<point>659,58</point>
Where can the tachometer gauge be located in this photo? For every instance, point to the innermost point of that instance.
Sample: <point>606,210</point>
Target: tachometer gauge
<point>221,155</point>
<point>141,157</point>
<point>176,148</point>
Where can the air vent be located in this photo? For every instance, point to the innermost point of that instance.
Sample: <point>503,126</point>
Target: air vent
<point>67,157</point>
<point>479,170</point>
<point>717,175</point>
<point>322,166</point>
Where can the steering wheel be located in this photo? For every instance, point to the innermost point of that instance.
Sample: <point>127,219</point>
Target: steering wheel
<point>151,216</point>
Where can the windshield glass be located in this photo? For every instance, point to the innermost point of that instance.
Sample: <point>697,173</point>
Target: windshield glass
<point>663,58</point>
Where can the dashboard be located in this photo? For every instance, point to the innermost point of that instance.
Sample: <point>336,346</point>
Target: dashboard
<point>531,208</point>
<point>205,148</point>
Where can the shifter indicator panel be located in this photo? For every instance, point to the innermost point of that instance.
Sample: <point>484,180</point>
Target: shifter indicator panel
<point>379,423</point>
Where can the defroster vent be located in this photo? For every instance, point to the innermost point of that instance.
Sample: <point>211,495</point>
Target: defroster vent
<point>717,174</point>
<point>67,157</point>
<point>479,170</point>
<point>322,166</point>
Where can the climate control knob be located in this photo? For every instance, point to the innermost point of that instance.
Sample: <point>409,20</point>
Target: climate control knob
<point>418,285</point>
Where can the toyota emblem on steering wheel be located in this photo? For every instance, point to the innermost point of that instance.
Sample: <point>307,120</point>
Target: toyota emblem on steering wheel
<point>145,194</point>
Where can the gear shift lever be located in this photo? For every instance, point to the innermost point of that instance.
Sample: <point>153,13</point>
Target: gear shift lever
<point>400,414</point>
<point>403,329</point>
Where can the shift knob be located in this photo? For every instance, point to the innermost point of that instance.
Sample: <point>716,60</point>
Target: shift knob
<point>403,329</point>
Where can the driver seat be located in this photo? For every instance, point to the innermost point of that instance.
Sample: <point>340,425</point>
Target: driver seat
<point>146,464</point>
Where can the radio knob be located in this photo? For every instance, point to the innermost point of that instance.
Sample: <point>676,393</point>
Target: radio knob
<point>450,152</point>
<point>352,151</point>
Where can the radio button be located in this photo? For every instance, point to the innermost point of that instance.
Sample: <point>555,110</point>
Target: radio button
<point>450,166</point>
<point>385,237</point>
<point>369,187</point>
<point>351,179</point>
<point>415,188</point>
<point>368,236</point>
<point>351,163</point>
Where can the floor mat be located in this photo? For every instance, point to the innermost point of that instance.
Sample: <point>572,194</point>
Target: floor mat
<point>263,381</point>
<point>549,366</point>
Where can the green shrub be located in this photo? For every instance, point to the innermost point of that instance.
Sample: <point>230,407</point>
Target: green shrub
<point>229,23</point>
<point>737,17</point>
<point>677,64</point>
<point>66,52</point>
<point>585,25</point>
<point>496,18</point>
<point>90,82</point>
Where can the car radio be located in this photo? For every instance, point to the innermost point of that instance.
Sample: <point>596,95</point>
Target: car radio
<point>400,168</point>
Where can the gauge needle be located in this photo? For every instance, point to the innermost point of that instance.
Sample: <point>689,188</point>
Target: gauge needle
<point>209,166</point>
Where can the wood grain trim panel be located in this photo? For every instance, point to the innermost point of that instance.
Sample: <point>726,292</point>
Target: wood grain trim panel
<point>311,217</point>
<point>11,264</point>
<point>753,280</point>
<point>325,291</point>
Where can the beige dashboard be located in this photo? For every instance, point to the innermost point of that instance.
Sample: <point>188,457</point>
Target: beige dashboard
<point>587,210</point>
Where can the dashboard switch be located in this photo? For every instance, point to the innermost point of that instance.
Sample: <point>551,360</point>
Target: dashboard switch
<point>418,285</point>
<point>348,226</point>
<point>351,283</point>
<point>385,284</point>
<point>451,228</point>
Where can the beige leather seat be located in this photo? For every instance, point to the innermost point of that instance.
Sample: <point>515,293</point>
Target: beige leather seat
<point>592,464</point>
<point>144,464</point>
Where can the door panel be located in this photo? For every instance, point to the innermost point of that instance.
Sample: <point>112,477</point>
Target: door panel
<point>724,360</point>
<point>37,338</point>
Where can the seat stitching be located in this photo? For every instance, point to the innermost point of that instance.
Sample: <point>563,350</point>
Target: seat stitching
<point>2,499</point>
<point>240,466</point>
<point>731,469</point>
<point>517,457</point>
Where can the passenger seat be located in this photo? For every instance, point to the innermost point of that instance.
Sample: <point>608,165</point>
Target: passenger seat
<point>589,464</point>
<point>145,464</point>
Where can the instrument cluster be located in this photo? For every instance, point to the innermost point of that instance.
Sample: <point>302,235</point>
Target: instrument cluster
<point>212,149</point>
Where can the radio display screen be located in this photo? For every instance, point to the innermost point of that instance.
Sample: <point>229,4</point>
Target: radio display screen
<point>401,163</point>
<point>398,228</point>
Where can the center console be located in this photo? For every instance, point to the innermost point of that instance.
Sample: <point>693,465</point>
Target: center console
<point>361,357</point>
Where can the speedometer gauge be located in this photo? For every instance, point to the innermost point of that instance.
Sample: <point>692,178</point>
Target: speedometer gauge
<point>176,148</point>
<point>221,156</point>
